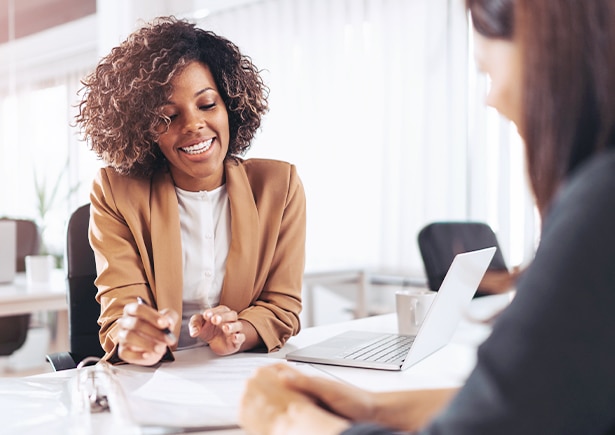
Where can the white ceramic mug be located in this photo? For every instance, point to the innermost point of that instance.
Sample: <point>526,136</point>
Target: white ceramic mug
<point>38,268</point>
<point>412,306</point>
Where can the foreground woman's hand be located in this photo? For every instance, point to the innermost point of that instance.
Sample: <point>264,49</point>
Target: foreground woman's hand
<point>270,407</point>
<point>141,338</point>
<point>407,411</point>
<point>499,281</point>
<point>328,406</point>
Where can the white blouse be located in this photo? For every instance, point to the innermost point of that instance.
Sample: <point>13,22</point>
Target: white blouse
<point>205,222</point>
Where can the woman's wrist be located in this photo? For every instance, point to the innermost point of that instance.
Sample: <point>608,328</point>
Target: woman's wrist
<point>250,334</point>
<point>309,418</point>
<point>378,408</point>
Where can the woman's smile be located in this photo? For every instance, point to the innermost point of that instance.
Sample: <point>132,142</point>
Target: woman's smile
<point>198,148</point>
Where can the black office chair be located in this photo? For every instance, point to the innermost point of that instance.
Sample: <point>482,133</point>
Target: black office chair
<point>28,241</point>
<point>439,242</point>
<point>14,329</point>
<point>83,309</point>
<point>13,333</point>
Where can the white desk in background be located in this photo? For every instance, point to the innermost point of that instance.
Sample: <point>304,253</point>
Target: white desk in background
<point>18,297</point>
<point>447,367</point>
<point>362,279</point>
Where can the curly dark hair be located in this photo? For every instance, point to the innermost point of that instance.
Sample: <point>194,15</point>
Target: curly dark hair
<point>121,110</point>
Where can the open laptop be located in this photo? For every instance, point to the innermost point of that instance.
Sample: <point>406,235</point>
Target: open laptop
<point>8,250</point>
<point>377,350</point>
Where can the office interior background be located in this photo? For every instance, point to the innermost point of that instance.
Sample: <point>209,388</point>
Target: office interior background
<point>377,102</point>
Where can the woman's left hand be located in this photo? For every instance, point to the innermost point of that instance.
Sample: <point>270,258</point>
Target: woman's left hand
<point>270,407</point>
<point>220,328</point>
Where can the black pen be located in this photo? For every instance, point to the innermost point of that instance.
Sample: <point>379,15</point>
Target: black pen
<point>166,331</point>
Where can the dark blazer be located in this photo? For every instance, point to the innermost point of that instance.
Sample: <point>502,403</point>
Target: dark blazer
<point>549,365</point>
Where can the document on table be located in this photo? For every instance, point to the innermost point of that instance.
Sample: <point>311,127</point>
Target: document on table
<point>202,395</point>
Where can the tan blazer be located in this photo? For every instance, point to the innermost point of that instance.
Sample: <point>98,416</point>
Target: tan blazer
<point>135,234</point>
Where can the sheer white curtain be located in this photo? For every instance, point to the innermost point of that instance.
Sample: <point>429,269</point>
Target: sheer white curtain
<point>377,102</point>
<point>43,163</point>
<point>38,92</point>
<point>370,99</point>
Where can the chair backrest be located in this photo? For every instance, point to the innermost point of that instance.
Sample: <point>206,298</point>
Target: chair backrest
<point>83,309</point>
<point>13,332</point>
<point>439,242</point>
<point>14,329</point>
<point>28,241</point>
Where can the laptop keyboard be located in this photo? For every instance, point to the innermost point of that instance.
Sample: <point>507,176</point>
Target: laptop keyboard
<point>385,349</point>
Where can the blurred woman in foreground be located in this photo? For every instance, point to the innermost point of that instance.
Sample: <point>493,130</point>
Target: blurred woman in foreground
<point>547,367</point>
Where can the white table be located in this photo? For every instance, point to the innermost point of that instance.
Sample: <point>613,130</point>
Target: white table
<point>447,367</point>
<point>18,297</point>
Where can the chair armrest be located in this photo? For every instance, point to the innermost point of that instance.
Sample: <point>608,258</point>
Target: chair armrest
<point>61,361</point>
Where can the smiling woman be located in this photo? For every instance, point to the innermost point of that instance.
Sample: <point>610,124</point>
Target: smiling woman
<point>214,244</point>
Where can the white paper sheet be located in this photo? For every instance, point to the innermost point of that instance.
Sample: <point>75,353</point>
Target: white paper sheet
<point>194,395</point>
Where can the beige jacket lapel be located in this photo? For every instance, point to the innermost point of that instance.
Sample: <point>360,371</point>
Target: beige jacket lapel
<point>166,244</point>
<point>242,261</point>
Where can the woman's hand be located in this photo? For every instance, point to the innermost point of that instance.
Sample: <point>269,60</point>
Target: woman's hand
<point>499,281</point>
<point>141,337</point>
<point>270,407</point>
<point>399,410</point>
<point>280,399</point>
<point>342,399</point>
<point>220,328</point>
